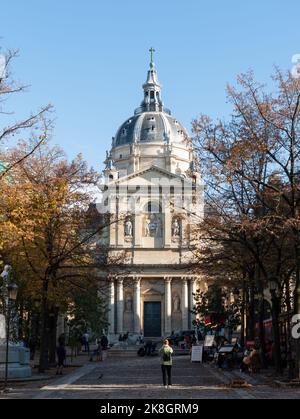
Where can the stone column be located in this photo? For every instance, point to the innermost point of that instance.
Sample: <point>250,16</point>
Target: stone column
<point>137,305</point>
<point>111,307</point>
<point>168,227</point>
<point>120,306</point>
<point>193,289</point>
<point>185,304</point>
<point>168,306</point>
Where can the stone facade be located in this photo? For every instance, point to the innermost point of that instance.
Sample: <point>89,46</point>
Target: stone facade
<point>154,195</point>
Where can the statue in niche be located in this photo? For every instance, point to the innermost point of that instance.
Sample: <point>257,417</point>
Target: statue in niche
<point>147,227</point>
<point>128,303</point>
<point>128,228</point>
<point>153,226</point>
<point>176,303</point>
<point>176,228</point>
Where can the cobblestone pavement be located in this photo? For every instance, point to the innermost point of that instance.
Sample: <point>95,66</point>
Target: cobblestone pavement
<point>140,378</point>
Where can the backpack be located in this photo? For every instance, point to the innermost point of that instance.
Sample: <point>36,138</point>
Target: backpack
<point>167,356</point>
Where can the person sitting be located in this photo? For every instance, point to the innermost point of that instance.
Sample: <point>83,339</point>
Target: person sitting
<point>148,347</point>
<point>187,341</point>
<point>246,361</point>
<point>141,351</point>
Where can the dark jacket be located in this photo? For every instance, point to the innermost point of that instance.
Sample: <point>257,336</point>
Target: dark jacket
<point>61,352</point>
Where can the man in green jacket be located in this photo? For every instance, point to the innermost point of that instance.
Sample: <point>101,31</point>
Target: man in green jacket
<point>166,362</point>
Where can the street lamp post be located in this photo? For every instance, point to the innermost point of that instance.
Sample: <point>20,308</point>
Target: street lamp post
<point>11,295</point>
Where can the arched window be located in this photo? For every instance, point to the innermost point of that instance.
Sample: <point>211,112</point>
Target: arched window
<point>152,207</point>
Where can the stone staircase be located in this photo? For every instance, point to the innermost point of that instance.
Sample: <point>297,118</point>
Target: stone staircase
<point>129,351</point>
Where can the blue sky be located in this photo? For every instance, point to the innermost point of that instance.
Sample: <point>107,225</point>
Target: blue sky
<point>89,59</point>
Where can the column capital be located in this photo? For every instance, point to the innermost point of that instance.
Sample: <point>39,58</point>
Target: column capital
<point>137,280</point>
<point>111,277</point>
<point>120,280</point>
<point>168,279</point>
<point>184,279</point>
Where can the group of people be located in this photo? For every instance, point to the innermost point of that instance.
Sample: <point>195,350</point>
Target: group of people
<point>99,352</point>
<point>249,358</point>
<point>148,349</point>
<point>101,348</point>
<point>165,352</point>
<point>124,337</point>
<point>251,361</point>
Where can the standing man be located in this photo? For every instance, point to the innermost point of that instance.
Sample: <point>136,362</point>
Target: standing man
<point>61,357</point>
<point>104,345</point>
<point>166,362</point>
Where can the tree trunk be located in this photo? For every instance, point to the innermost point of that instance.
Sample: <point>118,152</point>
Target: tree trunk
<point>276,332</point>
<point>52,336</point>
<point>243,312</point>
<point>296,342</point>
<point>262,337</point>
<point>291,366</point>
<point>43,364</point>
<point>251,314</point>
<point>21,334</point>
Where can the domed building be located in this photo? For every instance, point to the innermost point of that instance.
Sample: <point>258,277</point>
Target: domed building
<point>153,194</point>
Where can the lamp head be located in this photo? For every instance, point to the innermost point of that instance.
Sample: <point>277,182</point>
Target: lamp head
<point>12,291</point>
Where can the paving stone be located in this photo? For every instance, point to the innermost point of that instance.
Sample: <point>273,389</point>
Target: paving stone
<point>140,378</point>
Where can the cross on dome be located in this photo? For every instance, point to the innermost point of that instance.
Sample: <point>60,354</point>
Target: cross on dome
<point>152,51</point>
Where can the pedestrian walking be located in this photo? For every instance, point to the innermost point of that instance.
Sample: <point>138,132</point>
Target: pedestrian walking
<point>86,343</point>
<point>166,362</point>
<point>61,357</point>
<point>32,347</point>
<point>104,342</point>
<point>97,352</point>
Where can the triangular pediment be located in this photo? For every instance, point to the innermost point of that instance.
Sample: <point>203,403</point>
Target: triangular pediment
<point>146,175</point>
<point>151,291</point>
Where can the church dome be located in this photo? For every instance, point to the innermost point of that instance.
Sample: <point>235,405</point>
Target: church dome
<point>145,127</point>
<point>152,122</point>
<point>151,137</point>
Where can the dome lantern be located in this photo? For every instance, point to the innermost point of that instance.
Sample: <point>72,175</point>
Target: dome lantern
<point>152,90</point>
